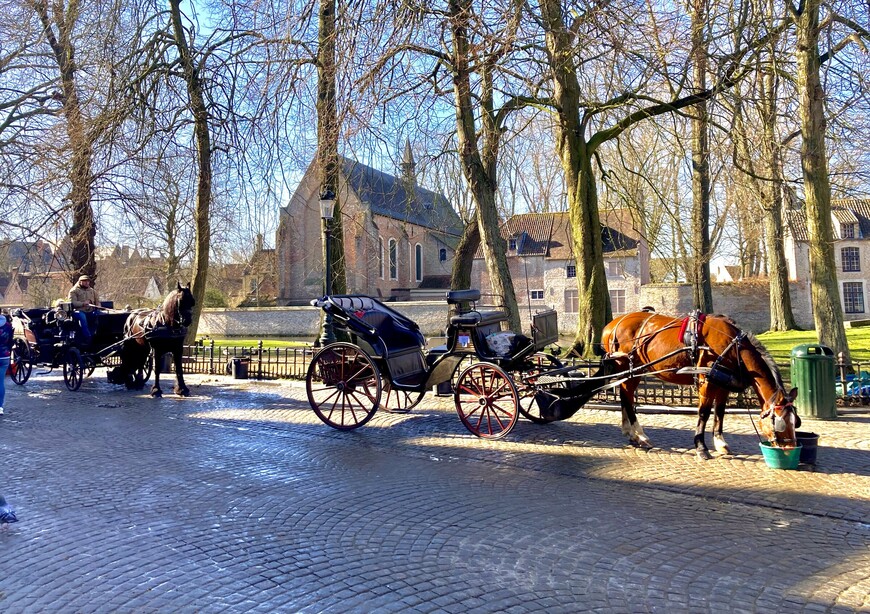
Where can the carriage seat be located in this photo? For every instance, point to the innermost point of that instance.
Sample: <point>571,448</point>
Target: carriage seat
<point>454,297</point>
<point>478,318</point>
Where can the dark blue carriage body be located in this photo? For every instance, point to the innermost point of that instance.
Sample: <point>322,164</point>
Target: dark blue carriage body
<point>50,331</point>
<point>397,345</point>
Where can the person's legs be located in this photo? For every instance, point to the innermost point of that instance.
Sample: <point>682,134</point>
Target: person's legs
<point>82,318</point>
<point>4,366</point>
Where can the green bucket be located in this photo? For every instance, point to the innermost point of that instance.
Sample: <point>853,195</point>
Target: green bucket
<point>780,458</point>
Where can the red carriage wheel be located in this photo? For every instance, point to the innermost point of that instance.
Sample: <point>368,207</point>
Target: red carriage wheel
<point>486,400</point>
<point>22,362</point>
<point>534,365</point>
<point>398,401</point>
<point>343,385</point>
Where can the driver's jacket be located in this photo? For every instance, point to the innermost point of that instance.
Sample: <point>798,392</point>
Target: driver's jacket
<point>80,296</point>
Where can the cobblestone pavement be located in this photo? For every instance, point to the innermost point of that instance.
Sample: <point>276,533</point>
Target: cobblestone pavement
<point>238,499</point>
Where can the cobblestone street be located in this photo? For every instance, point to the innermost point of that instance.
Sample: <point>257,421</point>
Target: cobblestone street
<point>238,499</point>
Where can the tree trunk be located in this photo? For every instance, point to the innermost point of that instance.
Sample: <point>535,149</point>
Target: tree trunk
<point>201,213</point>
<point>463,259</point>
<point>701,289</point>
<point>827,312</point>
<point>593,303</point>
<point>83,230</point>
<point>327,143</point>
<point>480,170</point>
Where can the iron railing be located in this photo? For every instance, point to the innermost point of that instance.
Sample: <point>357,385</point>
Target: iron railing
<point>852,380</point>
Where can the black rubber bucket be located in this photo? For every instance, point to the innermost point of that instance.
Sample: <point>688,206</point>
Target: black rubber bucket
<point>810,445</point>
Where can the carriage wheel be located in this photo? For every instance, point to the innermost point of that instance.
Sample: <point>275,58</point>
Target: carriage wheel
<point>462,365</point>
<point>535,365</point>
<point>89,365</point>
<point>486,400</point>
<point>22,362</point>
<point>73,369</point>
<point>344,386</point>
<point>146,370</point>
<point>398,401</point>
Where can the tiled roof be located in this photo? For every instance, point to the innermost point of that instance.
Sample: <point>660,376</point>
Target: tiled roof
<point>847,210</point>
<point>549,235</point>
<point>388,196</point>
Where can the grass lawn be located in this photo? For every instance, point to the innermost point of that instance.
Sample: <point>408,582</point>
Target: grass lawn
<point>780,345</point>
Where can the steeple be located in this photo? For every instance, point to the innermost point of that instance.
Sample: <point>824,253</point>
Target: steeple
<point>408,166</point>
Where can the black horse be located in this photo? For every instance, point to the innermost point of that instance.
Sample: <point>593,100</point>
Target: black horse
<point>161,330</point>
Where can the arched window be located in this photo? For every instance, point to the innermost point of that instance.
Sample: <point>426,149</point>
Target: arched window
<point>418,261</point>
<point>381,257</point>
<point>394,259</point>
<point>442,255</point>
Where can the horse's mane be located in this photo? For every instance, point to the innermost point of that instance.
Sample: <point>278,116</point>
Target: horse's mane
<point>758,347</point>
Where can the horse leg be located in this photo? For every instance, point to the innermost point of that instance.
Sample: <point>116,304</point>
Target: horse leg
<point>180,388</point>
<point>631,428</point>
<point>156,392</point>
<point>704,407</point>
<point>718,418</point>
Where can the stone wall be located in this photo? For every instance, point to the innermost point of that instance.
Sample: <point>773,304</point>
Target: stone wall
<point>258,322</point>
<point>746,302</point>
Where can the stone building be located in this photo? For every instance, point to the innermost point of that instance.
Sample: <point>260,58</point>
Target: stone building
<point>396,234</point>
<point>542,265</point>
<point>851,221</point>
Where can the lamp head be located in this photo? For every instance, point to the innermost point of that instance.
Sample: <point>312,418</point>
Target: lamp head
<point>327,204</point>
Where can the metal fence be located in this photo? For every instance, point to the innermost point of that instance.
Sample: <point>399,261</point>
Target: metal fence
<point>852,380</point>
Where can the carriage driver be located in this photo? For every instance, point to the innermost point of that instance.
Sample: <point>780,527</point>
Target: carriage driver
<point>85,304</point>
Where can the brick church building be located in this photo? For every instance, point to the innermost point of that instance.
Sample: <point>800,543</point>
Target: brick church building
<point>398,236</point>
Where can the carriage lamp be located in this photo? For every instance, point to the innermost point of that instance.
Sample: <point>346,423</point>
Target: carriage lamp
<point>327,209</point>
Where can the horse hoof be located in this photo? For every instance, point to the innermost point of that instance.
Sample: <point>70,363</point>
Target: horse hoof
<point>156,393</point>
<point>703,455</point>
<point>182,392</point>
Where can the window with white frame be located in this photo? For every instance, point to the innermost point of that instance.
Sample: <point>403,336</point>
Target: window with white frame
<point>847,230</point>
<point>512,244</point>
<point>851,258</point>
<point>571,301</point>
<point>394,259</point>
<point>418,261</point>
<point>571,271</point>
<point>536,295</point>
<point>617,301</point>
<point>381,257</point>
<point>853,297</point>
<point>614,268</point>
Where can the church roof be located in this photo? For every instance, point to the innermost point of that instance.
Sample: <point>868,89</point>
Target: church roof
<point>401,199</point>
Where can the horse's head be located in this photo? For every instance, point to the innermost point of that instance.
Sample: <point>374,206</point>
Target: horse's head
<point>779,419</point>
<point>184,303</point>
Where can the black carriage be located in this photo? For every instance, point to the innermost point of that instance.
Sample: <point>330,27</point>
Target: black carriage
<point>495,373</point>
<point>51,338</point>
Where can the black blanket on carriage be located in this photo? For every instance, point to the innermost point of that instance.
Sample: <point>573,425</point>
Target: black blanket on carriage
<point>560,403</point>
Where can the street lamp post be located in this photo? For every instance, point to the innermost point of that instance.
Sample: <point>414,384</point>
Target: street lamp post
<point>327,208</point>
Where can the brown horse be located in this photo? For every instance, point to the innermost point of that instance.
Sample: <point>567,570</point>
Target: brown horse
<point>710,352</point>
<point>160,330</point>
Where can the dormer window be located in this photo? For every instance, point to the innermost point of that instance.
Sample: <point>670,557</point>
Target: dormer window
<point>847,230</point>
<point>512,244</point>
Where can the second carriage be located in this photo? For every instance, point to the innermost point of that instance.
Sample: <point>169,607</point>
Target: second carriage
<point>51,338</point>
<point>386,365</point>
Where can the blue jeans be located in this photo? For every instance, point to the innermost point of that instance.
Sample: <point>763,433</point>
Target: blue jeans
<point>4,366</point>
<point>82,318</point>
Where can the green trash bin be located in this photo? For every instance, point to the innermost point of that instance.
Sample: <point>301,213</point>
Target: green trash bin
<point>813,374</point>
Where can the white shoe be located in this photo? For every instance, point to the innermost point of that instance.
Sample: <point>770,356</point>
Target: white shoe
<point>1,411</point>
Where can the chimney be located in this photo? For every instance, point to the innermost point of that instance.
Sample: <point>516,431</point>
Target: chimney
<point>258,246</point>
